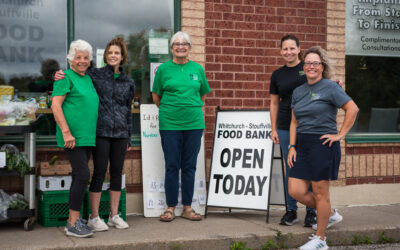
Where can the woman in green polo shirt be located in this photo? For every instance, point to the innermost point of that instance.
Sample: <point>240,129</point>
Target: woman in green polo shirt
<point>75,107</point>
<point>179,89</point>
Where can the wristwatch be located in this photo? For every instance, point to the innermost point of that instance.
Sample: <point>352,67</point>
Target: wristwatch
<point>291,146</point>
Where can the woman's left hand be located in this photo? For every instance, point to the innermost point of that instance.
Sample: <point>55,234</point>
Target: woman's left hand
<point>330,138</point>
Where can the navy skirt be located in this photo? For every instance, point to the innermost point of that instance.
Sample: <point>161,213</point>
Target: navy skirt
<point>315,161</point>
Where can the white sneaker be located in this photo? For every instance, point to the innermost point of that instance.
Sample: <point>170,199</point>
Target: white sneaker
<point>315,243</point>
<point>334,219</point>
<point>97,224</point>
<point>117,222</point>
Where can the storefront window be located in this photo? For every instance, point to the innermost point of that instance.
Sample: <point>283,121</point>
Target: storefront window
<point>372,62</point>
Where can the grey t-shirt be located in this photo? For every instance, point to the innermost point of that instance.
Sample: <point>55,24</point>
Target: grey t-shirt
<point>315,106</point>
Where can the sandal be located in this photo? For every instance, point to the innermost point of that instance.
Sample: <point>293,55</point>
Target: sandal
<point>190,214</point>
<point>168,215</point>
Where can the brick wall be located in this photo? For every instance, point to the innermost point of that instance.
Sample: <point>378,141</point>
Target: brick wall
<point>242,49</point>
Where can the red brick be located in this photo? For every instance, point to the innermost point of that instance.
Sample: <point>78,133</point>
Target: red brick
<point>262,77</point>
<point>266,11</point>
<point>213,101</point>
<point>223,7</point>
<point>232,51</point>
<point>316,21</point>
<point>214,85</point>
<point>275,3</point>
<point>383,150</point>
<point>254,68</point>
<point>315,5</point>
<point>307,12</point>
<point>233,16</point>
<point>351,181</point>
<point>223,76</point>
<point>266,26</point>
<point>349,150</point>
<point>245,59</point>
<point>213,50</point>
<point>243,9</point>
<point>287,28</point>
<point>315,37</point>
<point>295,20</point>
<point>232,102</point>
<point>366,180</point>
<point>223,93</point>
<point>253,102</point>
<point>224,25</point>
<point>275,19</point>
<point>209,58</point>
<point>232,67</point>
<point>268,61</point>
<point>213,67</point>
<point>244,93</point>
<point>245,77</point>
<point>397,179</point>
<point>245,26</point>
<point>254,51</point>
<point>208,6</point>
<point>286,11</point>
<point>262,94</point>
<point>396,150</point>
<point>297,4</point>
<point>253,34</point>
<point>307,28</point>
<point>210,75</point>
<point>321,29</point>
<point>389,179</point>
<point>254,18</point>
<point>223,42</point>
<point>213,15</point>
<point>232,85</point>
<point>224,59</point>
<point>362,150</point>
<point>210,23</point>
<point>277,35</point>
<point>253,85</point>
<point>253,2</point>
<point>244,43</point>
<point>232,33</point>
<point>232,1</point>
<point>266,43</point>
<point>212,33</point>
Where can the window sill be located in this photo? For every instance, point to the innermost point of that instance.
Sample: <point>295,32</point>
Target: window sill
<point>372,138</point>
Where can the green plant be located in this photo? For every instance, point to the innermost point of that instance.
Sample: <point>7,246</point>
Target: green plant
<point>239,246</point>
<point>270,245</point>
<point>361,240</point>
<point>17,161</point>
<point>177,246</point>
<point>53,160</point>
<point>384,239</point>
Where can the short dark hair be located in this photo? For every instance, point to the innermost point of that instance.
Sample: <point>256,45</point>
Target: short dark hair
<point>296,40</point>
<point>117,41</point>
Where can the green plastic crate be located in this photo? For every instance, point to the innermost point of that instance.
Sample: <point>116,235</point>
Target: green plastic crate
<point>104,208</point>
<point>54,208</point>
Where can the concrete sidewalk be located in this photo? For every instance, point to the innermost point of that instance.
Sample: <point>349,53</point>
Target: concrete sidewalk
<point>218,231</point>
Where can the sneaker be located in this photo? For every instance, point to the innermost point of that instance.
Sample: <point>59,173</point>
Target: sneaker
<point>310,219</point>
<point>117,222</point>
<point>315,243</point>
<point>78,230</point>
<point>334,219</point>
<point>97,224</point>
<point>290,218</point>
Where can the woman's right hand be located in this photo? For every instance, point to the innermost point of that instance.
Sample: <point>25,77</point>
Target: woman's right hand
<point>274,136</point>
<point>291,157</point>
<point>59,75</point>
<point>69,140</point>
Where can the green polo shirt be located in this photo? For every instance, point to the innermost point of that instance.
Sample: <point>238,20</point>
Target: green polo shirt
<point>80,108</point>
<point>180,87</point>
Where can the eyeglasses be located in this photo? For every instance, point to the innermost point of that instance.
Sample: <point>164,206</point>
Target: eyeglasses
<point>180,44</point>
<point>314,64</point>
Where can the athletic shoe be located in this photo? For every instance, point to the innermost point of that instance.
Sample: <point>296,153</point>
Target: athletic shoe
<point>315,243</point>
<point>117,222</point>
<point>290,218</point>
<point>79,230</point>
<point>310,219</point>
<point>334,219</point>
<point>97,224</point>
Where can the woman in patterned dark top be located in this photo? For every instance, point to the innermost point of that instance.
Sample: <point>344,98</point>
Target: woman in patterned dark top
<point>115,90</point>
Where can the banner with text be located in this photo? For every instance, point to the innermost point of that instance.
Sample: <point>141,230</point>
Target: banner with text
<point>372,27</point>
<point>241,161</point>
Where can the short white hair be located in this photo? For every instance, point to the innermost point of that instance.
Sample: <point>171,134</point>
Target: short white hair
<point>181,35</point>
<point>79,45</point>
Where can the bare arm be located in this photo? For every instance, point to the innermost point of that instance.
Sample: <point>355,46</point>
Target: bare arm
<point>56,107</point>
<point>293,139</point>
<point>351,110</point>
<point>273,109</point>
<point>156,99</point>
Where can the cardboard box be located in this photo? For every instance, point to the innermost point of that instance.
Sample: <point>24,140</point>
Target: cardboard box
<point>54,183</point>
<point>59,168</point>
<point>6,92</point>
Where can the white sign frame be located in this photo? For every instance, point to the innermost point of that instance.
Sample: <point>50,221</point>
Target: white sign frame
<point>247,122</point>
<point>153,168</point>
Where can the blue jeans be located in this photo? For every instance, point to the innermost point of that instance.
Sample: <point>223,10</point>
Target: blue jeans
<point>284,138</point>
<point>181,148</point>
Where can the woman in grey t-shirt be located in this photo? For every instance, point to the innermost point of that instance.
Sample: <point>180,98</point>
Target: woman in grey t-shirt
<point>314,154</point>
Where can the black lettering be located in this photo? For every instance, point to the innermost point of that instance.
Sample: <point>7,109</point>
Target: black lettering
<point>246,156</point>
<point>14,54</point>
<point>228,190</point>
<point>248,134</point>
<point>261,184</point>
<point>258,158</point>
<point>237,154</point>
<point>250,186</point>
<point>3,31</point>
<point>228,153</point>
<point>35,33</point>
<point>35,53</point>
<point>239,181</point>
<point>17,32</point>
<point>3,55</point>
<point>217,177</point>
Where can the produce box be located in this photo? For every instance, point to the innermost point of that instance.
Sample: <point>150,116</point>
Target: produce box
<point>54,183</point>
<point>104,208</point>
<point>54,208</point>
<point>59,168</point>
<point>6,92</point>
